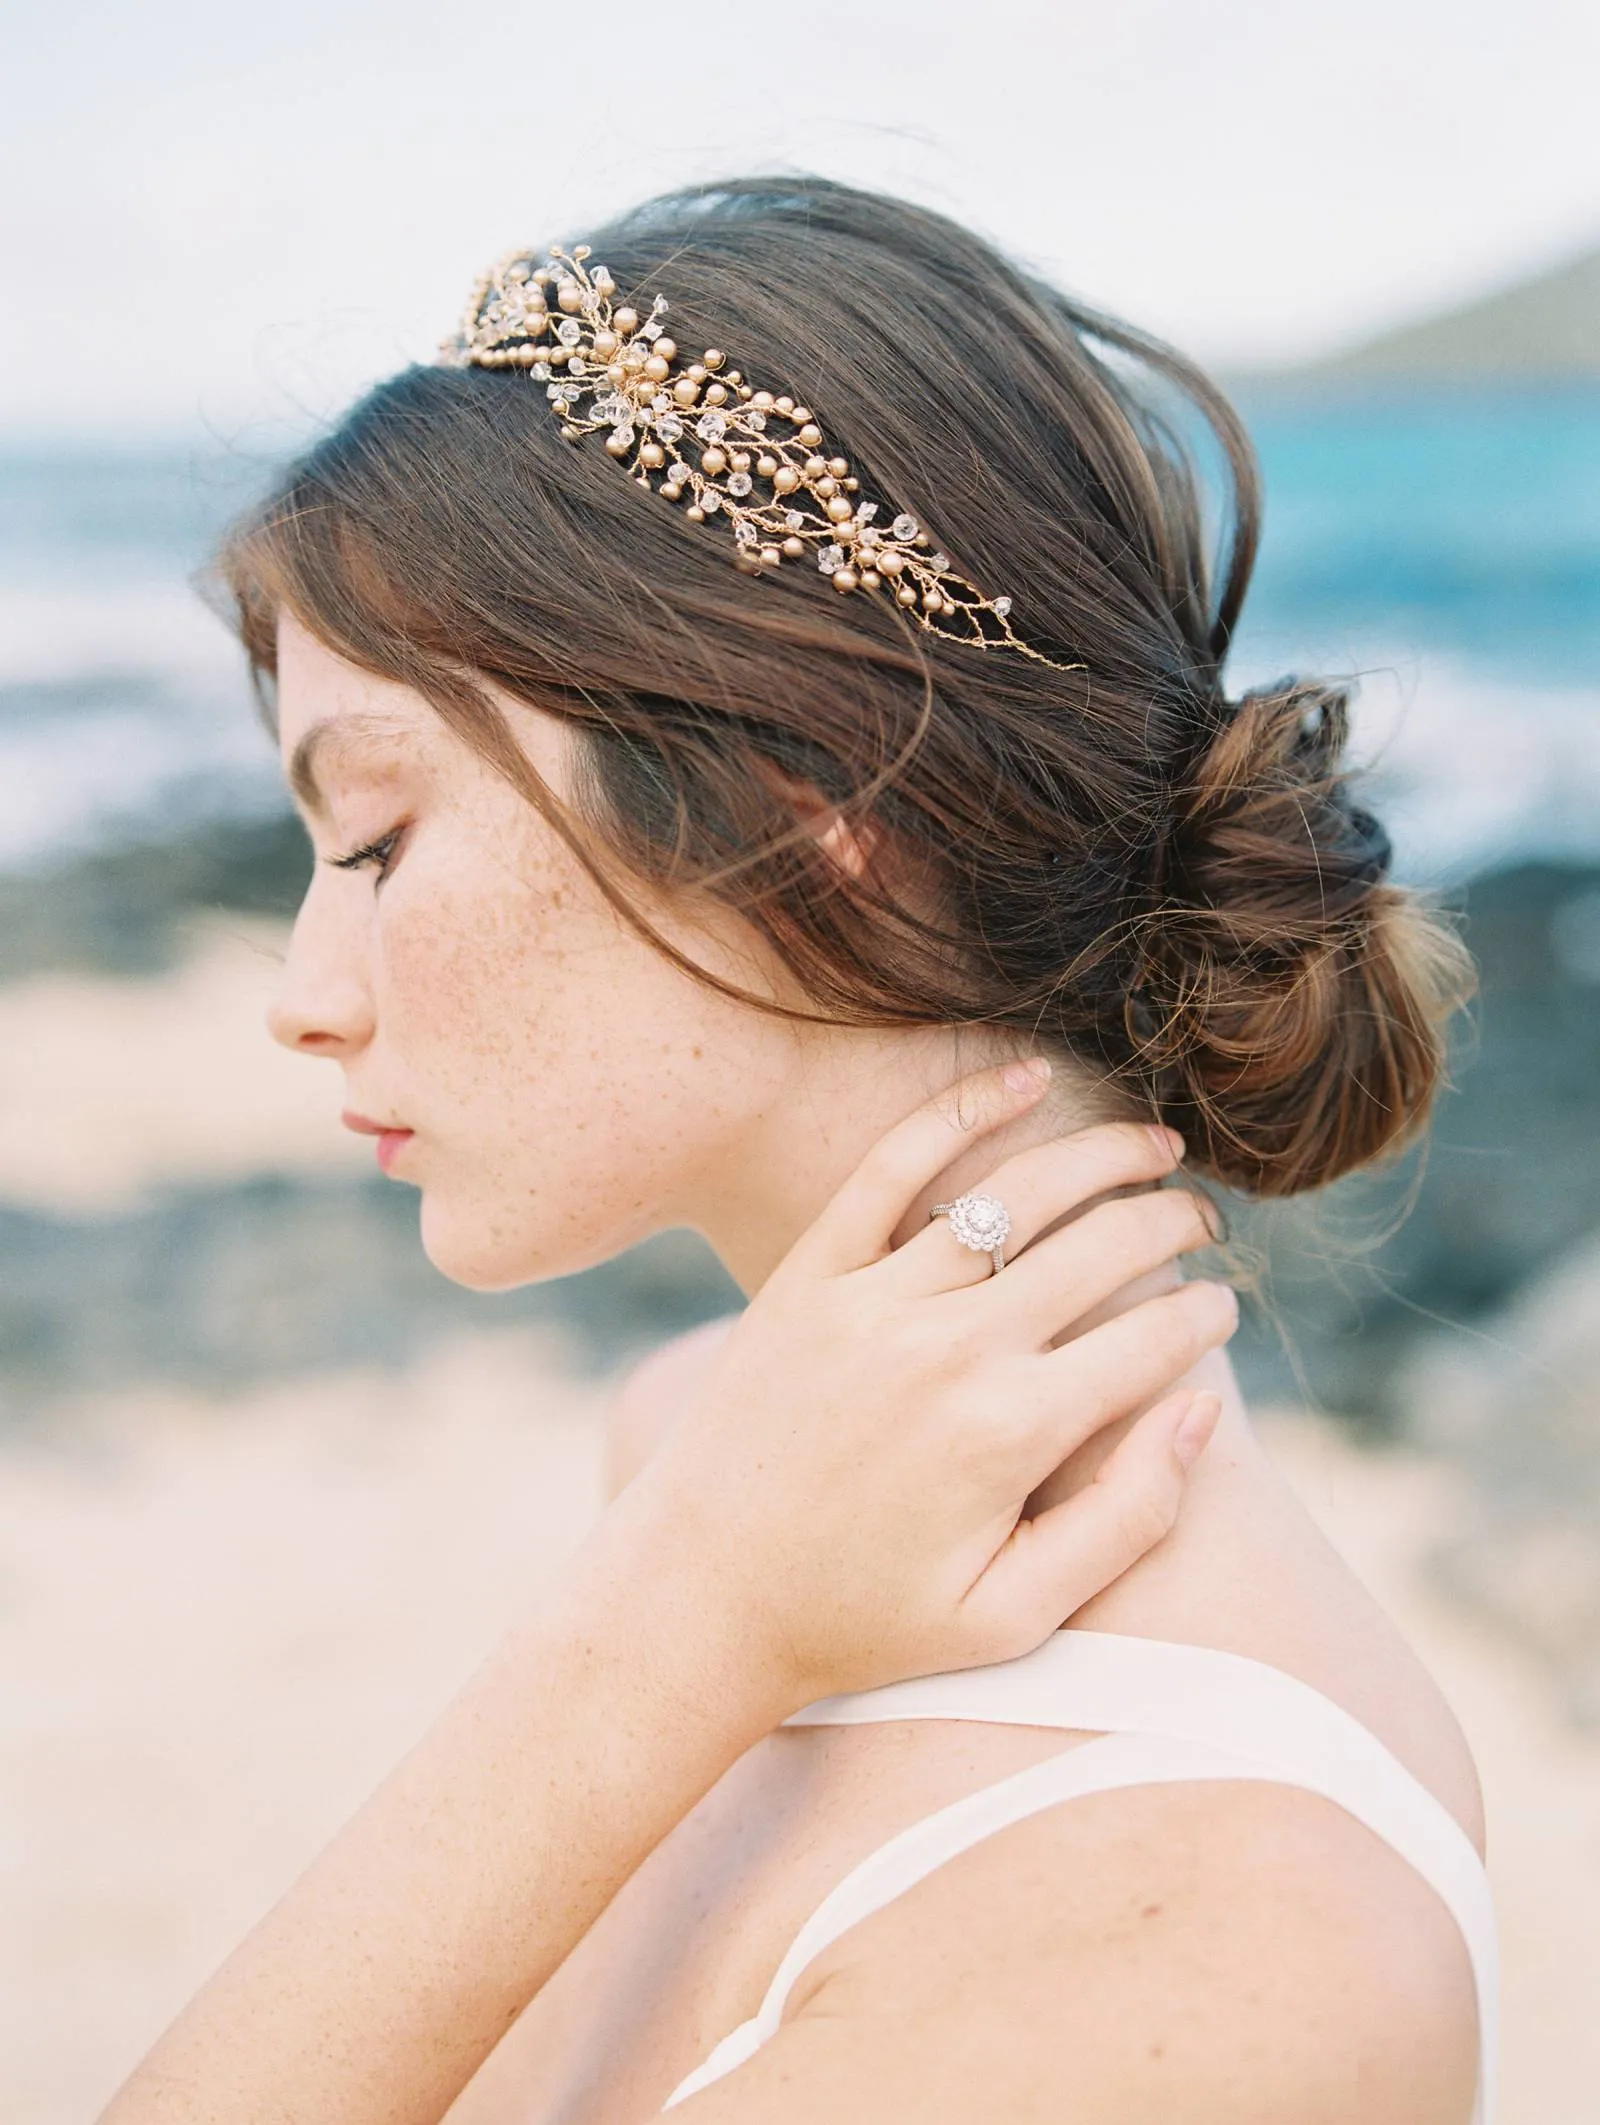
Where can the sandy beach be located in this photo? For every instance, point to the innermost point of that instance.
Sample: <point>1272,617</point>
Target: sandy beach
<point>223,1614</point>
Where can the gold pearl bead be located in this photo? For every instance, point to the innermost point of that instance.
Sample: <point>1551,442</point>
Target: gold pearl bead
<point>558,355</point>
<point>695,513</point>
<point>606,344</point>
<point>870,579</point>
<point>657,370</point>
<point>716,394</point>
<point>746,562</point>
<point>538,324</point>
<point>839,509</point>
<point>744,391</point>
<point>891,562</point>
<point>838,466</point>
<point>845,579</point>
<point>713,357</point>
<point>666,347</point>
<point>616,375</point>
<point>905,595</point>
<point>653,455</point>
<point>802,414</point>
<point>570,435</point>
<point>616,445</point>
<point>714,460</point>
<point>571,295</point>
<point>852,486</point>
<point>932,602</point>
<point>633,358</point>
<point>827,485</point>
<point>670,491</point>
<point>817,468</point>
<point>764,400</point>
<point>625,320</point>
<point>811,435</point>
<point>784,405</point>
<point>786,479</point>
<point>734,377</point>
<point>770,556</point>
<point>698,371</point>
<point>794,548</point>
<point>766,466</point>
<point>740,461</point>
<point>686,390</point>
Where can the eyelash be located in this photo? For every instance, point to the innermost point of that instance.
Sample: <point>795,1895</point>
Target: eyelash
<point>378,852</point>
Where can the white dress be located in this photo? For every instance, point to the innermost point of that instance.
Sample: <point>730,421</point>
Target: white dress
<point>1164,1714</point>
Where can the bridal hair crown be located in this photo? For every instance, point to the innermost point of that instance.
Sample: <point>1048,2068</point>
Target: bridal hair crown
<point>696,431</point>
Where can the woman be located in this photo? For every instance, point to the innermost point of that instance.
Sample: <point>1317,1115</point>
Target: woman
<point>657,892</point>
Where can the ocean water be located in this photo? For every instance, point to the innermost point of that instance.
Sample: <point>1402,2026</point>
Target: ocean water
<point>1441,550</point>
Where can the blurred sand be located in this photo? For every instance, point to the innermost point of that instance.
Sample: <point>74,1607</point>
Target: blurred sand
<point>221,1621</point>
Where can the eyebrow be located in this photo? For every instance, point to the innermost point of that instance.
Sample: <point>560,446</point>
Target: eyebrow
<point>336,738</point>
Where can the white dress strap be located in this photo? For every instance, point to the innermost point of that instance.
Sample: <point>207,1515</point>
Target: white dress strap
<point>1166,1714</point>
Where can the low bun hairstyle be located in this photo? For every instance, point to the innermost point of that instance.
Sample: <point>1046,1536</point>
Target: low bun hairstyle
<point>1174,891</point>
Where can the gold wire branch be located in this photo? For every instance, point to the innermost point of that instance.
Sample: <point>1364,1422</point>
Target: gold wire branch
<point>698,430</point>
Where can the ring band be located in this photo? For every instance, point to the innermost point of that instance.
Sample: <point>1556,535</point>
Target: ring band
<point>981,1222</point>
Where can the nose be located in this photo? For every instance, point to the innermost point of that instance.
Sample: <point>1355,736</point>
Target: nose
<point>323,1003</point>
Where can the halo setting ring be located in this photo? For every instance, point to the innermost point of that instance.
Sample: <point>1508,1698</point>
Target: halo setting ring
<point>981,1222</point>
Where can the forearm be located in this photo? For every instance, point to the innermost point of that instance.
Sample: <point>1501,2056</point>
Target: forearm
<point>378,1985</point>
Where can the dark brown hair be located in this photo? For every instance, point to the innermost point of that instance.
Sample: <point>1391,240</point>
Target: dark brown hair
<point>1117,861</point>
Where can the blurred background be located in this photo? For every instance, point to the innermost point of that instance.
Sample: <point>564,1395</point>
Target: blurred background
<point>268,1485</point>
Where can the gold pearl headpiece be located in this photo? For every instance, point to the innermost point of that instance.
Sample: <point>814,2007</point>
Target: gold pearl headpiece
<point>696,431</point>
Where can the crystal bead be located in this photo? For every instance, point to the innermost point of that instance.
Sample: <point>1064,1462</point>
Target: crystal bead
<point>746,534</point>
<point>865,512</point>
<point>754,419</point>
<point>663,402</point>
<point>939,562</point>
<point>710,501</point>
<point>1002,606</point>
<point>659,307</point>
<point>669,427</point>
<point>542,372</point>
<point>711,427</point>
<point>739,483</point>
<point>904,527</point>
<point>830,559</point>
<point>569,332</point>
<point>623,433</point>
<point>650,329</point>
<point>556,393</point>
<point>577,366</point>
<point>795,521</point>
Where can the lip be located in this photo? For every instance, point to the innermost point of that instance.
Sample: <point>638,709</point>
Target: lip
<point>391,1141</point>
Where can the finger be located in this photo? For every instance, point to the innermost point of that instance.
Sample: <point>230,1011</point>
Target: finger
<point>856,1226</point>
<point>1051,1565</point>
<point>1066,1276</point>
<point>1126,1362</point>
<point>1037,1187</point>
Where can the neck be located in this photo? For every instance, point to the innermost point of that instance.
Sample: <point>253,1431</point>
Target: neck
<point>846,1087</point>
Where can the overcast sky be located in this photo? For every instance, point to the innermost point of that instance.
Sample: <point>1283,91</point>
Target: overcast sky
<point>228,217</point>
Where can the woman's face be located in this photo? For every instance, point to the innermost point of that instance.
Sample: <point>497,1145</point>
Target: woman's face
<point>567,1089</point>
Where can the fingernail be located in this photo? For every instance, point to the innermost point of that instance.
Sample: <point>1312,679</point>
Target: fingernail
<point>1194,1431</point>
<point>1167,1140</point>
<point>1024,1076</point>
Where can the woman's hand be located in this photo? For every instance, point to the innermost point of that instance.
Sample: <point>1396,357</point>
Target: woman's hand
<point>850,1480</point>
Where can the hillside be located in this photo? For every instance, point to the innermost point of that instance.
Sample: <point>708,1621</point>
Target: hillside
<point>1543,329</point>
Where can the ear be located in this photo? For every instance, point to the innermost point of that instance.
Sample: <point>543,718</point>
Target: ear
<point>850,848</point>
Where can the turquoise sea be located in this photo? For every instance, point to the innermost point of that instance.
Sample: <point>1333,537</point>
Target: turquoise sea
<point>1443,547</point>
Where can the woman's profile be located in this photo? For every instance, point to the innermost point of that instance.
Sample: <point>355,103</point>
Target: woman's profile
<point>744,736</point>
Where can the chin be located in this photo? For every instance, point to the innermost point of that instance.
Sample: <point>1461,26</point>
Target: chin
<point>477,1246</point>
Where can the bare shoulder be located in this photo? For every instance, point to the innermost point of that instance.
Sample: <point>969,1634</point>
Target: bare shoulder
<point>651,1395</point>
<point>1228,1955</point>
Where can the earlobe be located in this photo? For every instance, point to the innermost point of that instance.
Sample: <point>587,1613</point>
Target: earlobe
<point>851,850</point>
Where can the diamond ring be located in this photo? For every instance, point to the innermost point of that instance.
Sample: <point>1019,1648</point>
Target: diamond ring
<point>981,1222</point>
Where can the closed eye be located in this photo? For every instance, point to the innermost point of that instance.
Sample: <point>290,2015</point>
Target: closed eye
<point>376,852</point>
